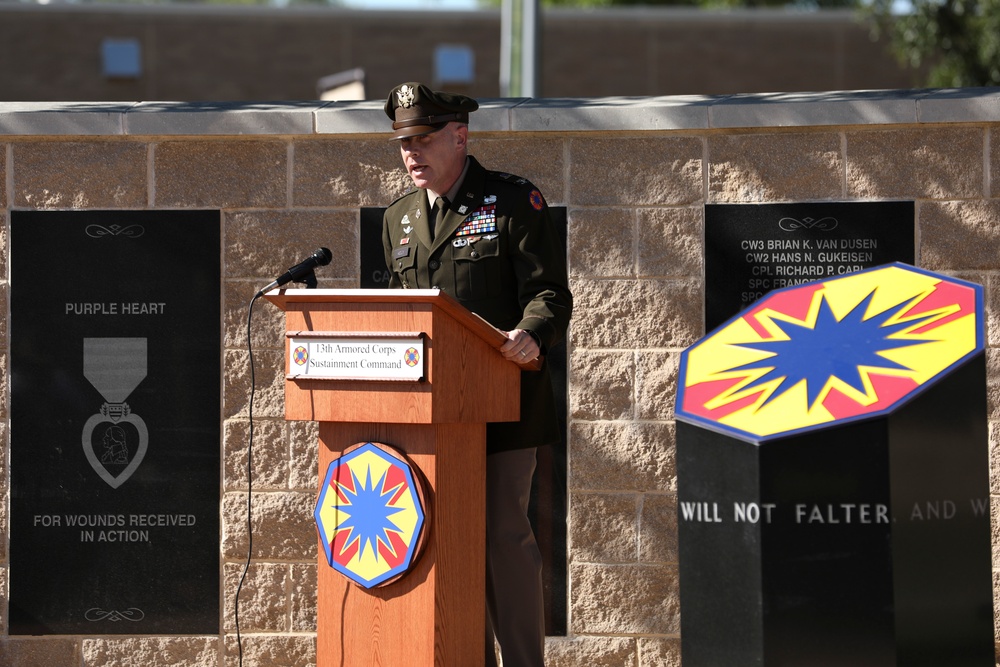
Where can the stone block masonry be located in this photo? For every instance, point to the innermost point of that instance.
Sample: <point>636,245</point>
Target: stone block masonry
<point>634,175</point>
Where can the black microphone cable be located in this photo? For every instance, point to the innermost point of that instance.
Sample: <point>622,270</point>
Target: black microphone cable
<point>302,272</point>
<point>246,567</point>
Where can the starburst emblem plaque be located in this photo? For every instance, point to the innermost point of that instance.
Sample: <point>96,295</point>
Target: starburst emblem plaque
<point>848,348</point>
<point>370,514</point>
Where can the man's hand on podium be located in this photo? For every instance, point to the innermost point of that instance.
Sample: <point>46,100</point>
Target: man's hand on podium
<point>521,346</point>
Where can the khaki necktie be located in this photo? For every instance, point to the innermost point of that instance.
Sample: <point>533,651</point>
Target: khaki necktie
<point>440,208</point>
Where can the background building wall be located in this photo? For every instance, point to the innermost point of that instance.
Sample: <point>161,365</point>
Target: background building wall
<point>53,53</point>
<point>635,176</point>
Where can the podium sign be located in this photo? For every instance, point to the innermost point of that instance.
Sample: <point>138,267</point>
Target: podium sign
<point>317,355</point>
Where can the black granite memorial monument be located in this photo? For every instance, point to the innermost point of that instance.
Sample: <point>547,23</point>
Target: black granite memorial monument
<point>832,464</point>
<point>115,360</point>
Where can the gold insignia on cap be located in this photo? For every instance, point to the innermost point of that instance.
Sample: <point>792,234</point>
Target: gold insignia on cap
<point>405,96</point>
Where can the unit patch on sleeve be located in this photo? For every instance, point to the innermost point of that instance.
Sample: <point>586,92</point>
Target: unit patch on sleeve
<point>536,200</point>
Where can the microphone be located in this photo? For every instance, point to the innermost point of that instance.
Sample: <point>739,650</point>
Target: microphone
<point>301,270</point>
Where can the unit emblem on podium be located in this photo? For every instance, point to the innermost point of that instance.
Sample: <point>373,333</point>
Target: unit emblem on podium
<point>842,349</point>
<point>370,514</point>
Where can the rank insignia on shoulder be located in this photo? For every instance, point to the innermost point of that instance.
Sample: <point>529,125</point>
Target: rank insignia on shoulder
<point>460,243</point>
<point>536,200</point>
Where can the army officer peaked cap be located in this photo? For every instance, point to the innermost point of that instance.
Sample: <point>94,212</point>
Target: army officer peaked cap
<point>415,109</point>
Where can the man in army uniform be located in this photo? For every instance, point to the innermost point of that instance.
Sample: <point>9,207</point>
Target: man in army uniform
<point>486,238</point>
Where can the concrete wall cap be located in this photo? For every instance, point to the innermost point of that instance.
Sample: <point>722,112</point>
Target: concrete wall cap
<point>778,110</point>
<point>63,118</point>
<point>221,118</point>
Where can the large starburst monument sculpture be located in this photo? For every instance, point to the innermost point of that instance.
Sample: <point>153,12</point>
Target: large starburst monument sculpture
<point>832,462</point>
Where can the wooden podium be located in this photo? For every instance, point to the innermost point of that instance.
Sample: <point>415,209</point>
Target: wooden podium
<point>435,613</point>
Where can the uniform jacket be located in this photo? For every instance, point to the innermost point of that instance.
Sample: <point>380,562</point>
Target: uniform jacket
<point>498,253</point>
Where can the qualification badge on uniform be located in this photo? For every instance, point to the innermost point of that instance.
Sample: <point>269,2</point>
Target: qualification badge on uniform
<point>370,514</point>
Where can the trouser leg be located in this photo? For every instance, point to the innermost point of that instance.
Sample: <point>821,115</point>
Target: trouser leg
<point>514,601</point>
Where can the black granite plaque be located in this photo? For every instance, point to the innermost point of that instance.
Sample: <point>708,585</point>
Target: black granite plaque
<point>751,249</point>
<point>548,495</point>
<point>115,412</point>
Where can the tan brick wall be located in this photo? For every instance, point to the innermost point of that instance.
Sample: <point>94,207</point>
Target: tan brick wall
<point>216,53</point>
<point>635,203</point>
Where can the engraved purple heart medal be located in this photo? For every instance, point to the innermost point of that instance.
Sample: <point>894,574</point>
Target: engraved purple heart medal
<point>115,439</point>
